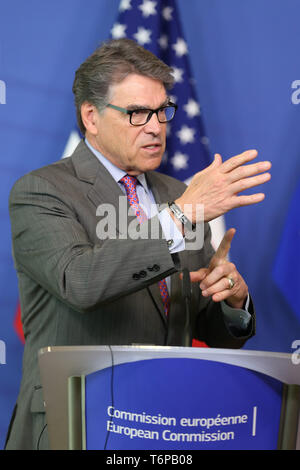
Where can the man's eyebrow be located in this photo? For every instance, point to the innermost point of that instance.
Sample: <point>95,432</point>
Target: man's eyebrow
<point>132,107</point>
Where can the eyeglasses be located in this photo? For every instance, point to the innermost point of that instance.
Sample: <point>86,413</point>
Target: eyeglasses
<point>140,116</point>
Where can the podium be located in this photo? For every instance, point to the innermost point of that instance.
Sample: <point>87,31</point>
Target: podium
<point>170,398</point>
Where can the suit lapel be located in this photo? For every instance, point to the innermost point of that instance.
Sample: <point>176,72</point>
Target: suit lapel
<point>103,188</point>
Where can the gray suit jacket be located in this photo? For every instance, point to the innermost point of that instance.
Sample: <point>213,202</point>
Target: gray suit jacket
<point>78,290</point>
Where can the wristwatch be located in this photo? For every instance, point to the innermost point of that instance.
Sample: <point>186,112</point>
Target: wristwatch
<point>180,216</point>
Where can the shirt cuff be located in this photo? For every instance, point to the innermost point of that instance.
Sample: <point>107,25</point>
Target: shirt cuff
<point>175,240</point>
<point>247,303</point>
<point>237,320</point>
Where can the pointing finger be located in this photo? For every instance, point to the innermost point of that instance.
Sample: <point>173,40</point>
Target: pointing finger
<point>225,245</point>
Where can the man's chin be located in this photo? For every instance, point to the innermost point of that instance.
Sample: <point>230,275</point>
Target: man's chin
<point>153,164</point>
<point>150,163</point>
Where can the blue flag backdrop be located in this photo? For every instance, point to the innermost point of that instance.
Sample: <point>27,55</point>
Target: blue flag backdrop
<point>287,267</point>
<point>243,59</point>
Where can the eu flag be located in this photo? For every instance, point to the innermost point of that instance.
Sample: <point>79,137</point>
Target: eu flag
<point>286,272</point>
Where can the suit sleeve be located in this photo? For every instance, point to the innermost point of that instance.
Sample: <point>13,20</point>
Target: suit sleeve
<point>52,247</point>
<point>216,331</point>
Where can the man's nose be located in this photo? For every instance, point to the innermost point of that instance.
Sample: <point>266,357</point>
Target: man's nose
<point>153,126</point>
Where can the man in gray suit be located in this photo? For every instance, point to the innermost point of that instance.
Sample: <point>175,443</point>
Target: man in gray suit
<point>87,279</point>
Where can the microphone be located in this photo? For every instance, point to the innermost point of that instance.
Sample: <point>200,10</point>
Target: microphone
<point>187,293</point>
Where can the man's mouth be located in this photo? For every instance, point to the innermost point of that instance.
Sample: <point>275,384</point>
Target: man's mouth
<point>152,147</point>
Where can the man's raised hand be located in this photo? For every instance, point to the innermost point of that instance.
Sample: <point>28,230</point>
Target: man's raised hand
<point>218,186</point>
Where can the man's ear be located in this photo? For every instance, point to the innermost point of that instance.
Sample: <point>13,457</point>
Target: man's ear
<point>89,115</point>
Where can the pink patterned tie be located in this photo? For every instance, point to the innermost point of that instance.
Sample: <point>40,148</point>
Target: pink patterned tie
<point>130,183</point>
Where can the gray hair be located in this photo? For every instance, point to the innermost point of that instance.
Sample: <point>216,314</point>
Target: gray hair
<point>110,64</point>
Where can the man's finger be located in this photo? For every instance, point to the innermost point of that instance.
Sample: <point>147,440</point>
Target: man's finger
<point>225,244</point>
<point>220,272</point>
<point>249,170</point>
<point>240,201</point>
<point>238,160</point>
<point>248,183</point>
<point>198,276</point>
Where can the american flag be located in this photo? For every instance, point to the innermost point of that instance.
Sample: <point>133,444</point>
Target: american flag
<point>155,25</point>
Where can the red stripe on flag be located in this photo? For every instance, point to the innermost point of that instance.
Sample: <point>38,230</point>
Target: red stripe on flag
<point>199,344</point>
<point>18,324</point>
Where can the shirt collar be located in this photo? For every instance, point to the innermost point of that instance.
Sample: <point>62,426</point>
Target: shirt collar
<point>115,172</point>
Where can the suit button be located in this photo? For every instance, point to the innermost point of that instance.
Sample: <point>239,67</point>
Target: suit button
<point>136,276</point>
<point>143,273</point>
<point>150,268</point>
<point>156,267</point>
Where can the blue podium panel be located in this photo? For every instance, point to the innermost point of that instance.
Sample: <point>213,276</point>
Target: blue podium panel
<point>181,404</point>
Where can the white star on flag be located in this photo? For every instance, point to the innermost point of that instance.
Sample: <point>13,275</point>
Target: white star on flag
<point>205,140</point>
<point>118,31</point>
<point>163,41</point>
<point>125,5</point>
<point>192,108</point>
<point>179,161</point>
<point>180,47</point>
<point>148,8</point>
<point>142,35</point>
<point>186,135</point>
<point>177,74</point>
<point>167,13</point>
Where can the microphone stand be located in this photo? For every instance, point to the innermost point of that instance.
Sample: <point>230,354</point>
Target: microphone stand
<point>186,292</point>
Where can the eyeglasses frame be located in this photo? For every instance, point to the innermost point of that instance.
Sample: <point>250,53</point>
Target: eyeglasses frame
<point>151,112</point>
